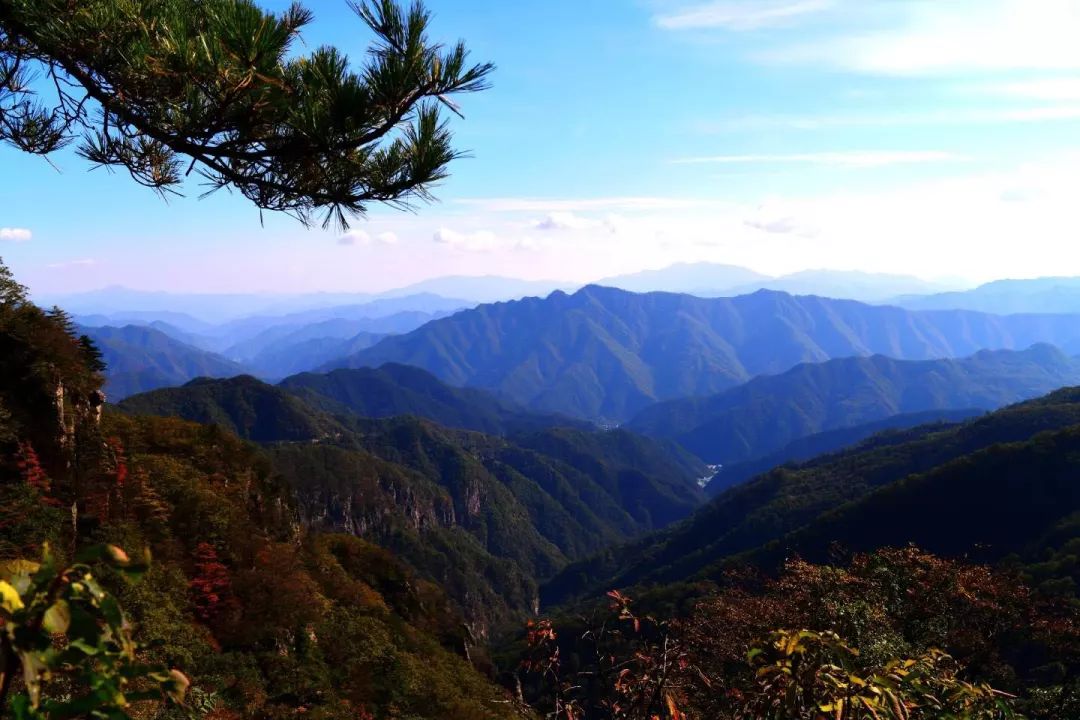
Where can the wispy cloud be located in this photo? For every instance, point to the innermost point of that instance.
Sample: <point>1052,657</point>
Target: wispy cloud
<point>873,158</point>
<point>363,239</point>
<point>15,234</point>
<point>740,14</point>
<point>83,262</point>
<point>951,38</point>
<point>480,241</point>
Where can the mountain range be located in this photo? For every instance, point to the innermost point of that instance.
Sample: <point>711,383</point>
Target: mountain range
<point>765,414</point>
<point>605,354</point>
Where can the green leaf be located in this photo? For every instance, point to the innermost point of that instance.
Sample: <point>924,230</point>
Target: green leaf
<point>57,617</point>
<point>10,602</point>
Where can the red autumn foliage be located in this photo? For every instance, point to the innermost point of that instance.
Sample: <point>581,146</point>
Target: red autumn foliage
<point>211,587</point>
<point>29,467</point>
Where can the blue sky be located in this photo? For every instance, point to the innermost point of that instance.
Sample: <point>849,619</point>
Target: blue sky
<point>926,137</point>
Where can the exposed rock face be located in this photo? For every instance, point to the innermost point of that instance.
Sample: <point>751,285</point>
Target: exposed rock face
<point>65,422</point>
<point>74,413</point>
<point>96,403</point>
<point>364,514</point>
<point>473,499</point>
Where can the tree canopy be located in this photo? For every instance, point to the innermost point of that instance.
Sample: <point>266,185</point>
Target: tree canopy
<point>165,88</point>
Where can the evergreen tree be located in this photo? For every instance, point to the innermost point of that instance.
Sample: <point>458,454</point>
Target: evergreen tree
<point>91,354</point>
<point>162,88</point>
<point>12,294</point>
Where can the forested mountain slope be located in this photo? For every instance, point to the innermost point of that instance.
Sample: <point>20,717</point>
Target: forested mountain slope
<point>830,441</point>
<point>768,412</point>
<point>403,390</point>
<point>606,354</point>
<point>486,516</point>
<point>782,501</point>
<point>243,405</point>
<point>265,618</point>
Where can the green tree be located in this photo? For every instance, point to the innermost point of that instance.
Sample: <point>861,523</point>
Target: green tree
<point>95,667</point>
<point>163,88</point>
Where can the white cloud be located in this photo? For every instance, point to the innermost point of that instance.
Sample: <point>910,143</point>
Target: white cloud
<point>781,221</point>
<point>83,262</point>
<point>740,14</point>
<point>861,159</point>
<point>355,237</point>
<point>934,38</point>
<point>363,239</point>
<point>480,241</point>
<point>564,221</point>
<point>15,234</point>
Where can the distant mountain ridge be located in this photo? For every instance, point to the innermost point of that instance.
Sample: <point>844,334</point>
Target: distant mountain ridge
<point>1005,297</point>
<point>768,412</point>
<point>705,279</point>
<point>717,280</point>
<point>141,358</point>
<point>605,354</point>
<point>846,285</point>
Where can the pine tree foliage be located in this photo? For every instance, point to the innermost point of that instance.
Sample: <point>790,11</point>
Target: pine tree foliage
<point>164,88</point>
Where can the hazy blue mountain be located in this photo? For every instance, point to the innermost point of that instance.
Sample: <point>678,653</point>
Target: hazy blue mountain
<point>480,288</point>
<point>390,315</point>
<point>195,312</point>
<point>415,303</point>
<point>287,357</point>
<point>605,354</point>
<point>283,336</point>
<point>244,340</point>
<point>1041,295</point>
<point>704,279</point>
<point>205,307</point>
<point>141,358</point>
<point>768,412</point>
<point>393,390</point>
<point>167,322</point>
<point>851,285</point>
